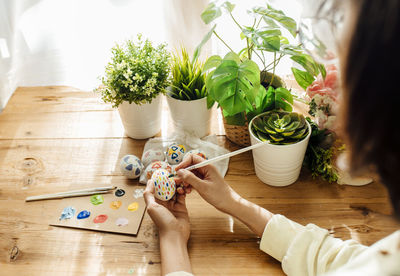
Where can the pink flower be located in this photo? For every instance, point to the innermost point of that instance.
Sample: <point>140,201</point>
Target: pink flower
<point>325,87</point>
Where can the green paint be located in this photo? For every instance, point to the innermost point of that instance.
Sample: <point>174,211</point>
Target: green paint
<point>97,199</point>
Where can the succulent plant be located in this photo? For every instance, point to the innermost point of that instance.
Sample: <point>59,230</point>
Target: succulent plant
<point>280,127</point>
<point>188,80</point>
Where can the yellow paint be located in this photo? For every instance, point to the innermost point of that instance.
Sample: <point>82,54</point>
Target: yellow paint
<point>115,205</point>
<point>133,206</point>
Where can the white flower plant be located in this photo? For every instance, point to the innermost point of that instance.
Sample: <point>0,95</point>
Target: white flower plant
<point>137,73</point>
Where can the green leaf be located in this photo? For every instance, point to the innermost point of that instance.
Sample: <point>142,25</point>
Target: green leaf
<point>232,84</point>
<point>210,101</point>
<point>322,70</point>
<point>206,38</point>
<point>232,56</point>
<point>228,6</point>
<point>238,119</point>
<point>283,99</point>
<point>304,79</point>
<point>211,13</point>
<point>308,63</point>
<point>212,62</point>
<point>279,17</point>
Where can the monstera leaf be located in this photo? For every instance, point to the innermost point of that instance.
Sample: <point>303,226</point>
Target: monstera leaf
<point>234,83</point>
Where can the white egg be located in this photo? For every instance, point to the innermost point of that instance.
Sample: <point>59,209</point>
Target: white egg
<point>175,154</point>
<point>150,169</point>
<point>197,152</point>
<point>151,156</point>
<point>164,186</point>
<point>131,166</point>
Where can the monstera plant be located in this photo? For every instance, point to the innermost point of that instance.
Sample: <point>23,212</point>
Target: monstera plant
<point>280,128</point>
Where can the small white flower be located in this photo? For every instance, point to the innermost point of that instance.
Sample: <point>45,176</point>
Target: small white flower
<point>330,122</point>
<point>317,99</point>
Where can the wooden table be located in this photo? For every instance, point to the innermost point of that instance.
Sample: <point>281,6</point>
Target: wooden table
<point>58,138</point>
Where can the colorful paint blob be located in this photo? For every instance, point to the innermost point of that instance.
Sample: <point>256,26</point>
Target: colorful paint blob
<point>115,205</point>
<point>100,219</point>
<point>122,221</point>
<point>119,192</point>
<point>67,213</point>
<point>97,199</point>
<point>133,206</point>
<point>83,214</point>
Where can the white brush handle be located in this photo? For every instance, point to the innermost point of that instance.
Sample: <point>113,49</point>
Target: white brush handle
<point>83,192</point>
<point>224,156</point>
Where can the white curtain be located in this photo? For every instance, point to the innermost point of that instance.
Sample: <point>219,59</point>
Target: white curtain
<point>67,42</point>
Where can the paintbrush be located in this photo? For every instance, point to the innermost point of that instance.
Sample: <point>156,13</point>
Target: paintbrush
<point>83,192</point>
<point>224,156</point>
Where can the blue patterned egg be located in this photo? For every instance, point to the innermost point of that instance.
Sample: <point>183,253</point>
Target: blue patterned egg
<point>164,186</point>
<point>131,166</point>
<point>175,154</point>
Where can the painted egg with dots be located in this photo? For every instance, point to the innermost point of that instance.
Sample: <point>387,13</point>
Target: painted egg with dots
<point>150,156</point>
<point>148,172</point>
<point>164,186</point>
<point>131,166</point>
<point>197,152</point>
<point>175,153</point>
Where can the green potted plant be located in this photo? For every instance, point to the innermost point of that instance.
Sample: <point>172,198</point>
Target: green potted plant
<point>187,95</point>
<point>279,162</point>
<point>235,81</point>
<point>134,81</point>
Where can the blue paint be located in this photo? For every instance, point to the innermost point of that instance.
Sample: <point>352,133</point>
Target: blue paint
<point>126,158</point>
<point>83,214</point>
<point>137,172</point>
<point>129,167</point>
<point>67,213</point>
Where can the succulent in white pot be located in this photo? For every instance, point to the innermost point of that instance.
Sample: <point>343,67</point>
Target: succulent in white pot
<point>187,95</point>
<point>279,162</point>
<point>134,82</point>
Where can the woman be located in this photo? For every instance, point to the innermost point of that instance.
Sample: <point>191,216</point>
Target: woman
<point>370,69</point>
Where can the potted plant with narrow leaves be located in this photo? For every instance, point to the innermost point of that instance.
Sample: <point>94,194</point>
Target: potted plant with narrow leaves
<point>278,162</point>
<point>187,95</point>
<point>134,81</point>
<point>232,80</point>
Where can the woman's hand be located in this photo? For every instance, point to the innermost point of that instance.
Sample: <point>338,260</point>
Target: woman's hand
<point>208,182</point>
<point>212,187</point>
<point>172,219</point>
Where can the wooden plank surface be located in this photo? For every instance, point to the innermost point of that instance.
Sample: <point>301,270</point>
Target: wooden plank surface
<point>58,138</point>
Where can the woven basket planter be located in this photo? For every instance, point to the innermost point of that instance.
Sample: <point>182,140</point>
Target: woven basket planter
<point>237,134</point>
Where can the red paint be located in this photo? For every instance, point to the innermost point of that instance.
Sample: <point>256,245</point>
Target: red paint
<point>100,219</point>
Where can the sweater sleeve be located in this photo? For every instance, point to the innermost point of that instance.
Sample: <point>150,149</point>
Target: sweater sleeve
<point>306,250</point>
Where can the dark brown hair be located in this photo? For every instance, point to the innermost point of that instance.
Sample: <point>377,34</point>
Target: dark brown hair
<point>371,80</point>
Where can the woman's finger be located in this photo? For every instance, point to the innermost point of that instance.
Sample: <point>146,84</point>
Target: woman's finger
<point>149,193</point>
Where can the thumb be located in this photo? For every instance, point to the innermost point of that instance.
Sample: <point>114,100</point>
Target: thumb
<point>189,178</point>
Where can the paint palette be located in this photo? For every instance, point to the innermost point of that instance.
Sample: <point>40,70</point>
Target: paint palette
<point>118,212</point>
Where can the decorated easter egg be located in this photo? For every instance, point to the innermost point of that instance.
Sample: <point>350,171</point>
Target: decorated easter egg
<point>150,169</point>
<point>151,156</point>
<point>175,154</point>
<point>164,186</point>
<point>197,152</point>
<point>131,166</point>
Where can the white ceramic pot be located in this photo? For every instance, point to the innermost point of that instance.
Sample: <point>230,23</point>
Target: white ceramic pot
<point>279,165</point>
<point>141,121</point>
<point>190,116</point>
